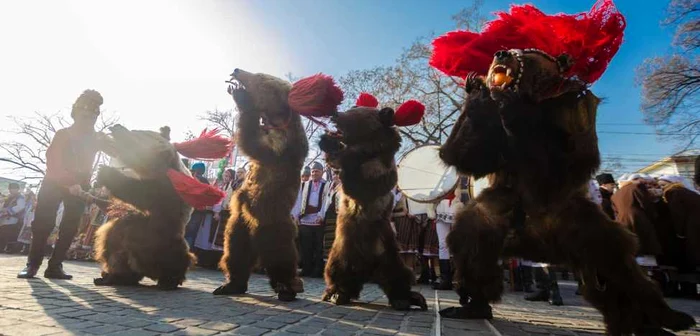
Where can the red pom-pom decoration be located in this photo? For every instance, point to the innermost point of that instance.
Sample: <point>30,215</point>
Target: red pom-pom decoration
<point>409,113</point>
<point>208,146</point>
<point>315,96</point>
<point>197,194</point>
<point>591,39</point>
<point>367,100</point>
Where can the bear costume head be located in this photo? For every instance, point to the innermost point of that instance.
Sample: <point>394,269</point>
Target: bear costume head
<point>153,158</point>
<point>365,142</point>
<point>267,93</point>
<point>548,61</point>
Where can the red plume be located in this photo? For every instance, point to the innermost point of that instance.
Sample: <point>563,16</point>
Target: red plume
<point>193,192</point>
<point>591,39</point>
<point>409,113</point>
<point>366,100</point>
<point>208,146</point>
<point>315,96</point>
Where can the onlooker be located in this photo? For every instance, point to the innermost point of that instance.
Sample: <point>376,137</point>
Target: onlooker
<point>607,188</point>
<point>308,212</point>
<point>407,230</point>
<point>198,215</point>
<point>11,217</point>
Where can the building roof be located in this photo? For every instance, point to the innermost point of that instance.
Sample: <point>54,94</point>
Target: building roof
<point>690,153</point>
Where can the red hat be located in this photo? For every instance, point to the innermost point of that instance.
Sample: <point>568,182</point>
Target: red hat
<point>591,39</point>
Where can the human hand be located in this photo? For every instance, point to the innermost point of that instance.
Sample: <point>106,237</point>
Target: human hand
<point>75,190</point>
<point>217,216</point>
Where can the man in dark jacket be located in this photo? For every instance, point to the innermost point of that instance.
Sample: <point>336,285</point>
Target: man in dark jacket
<point>607,187</point>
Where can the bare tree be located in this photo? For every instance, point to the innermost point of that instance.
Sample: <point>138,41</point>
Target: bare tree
<point>611,165</point>
<point>31,137</point>
<point>221,119</point>
<point>670,84</point>
<point>413,78</point>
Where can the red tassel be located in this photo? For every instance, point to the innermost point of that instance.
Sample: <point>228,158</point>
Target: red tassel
<point>315,96</point>
<point>591,39</point>
<point>409,113</point>
<point>367,100</point>
<point>208,146</point>
<point>195,193</point>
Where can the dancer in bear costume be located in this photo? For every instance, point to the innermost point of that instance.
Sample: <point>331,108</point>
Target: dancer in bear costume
<point>365,246</point>
<point>530,123</point>
<point>260,225</point>
<point>150,208</point>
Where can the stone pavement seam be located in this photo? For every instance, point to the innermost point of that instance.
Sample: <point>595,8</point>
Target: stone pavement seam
<point>438,320</point>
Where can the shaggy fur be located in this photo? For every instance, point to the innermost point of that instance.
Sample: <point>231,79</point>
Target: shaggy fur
<point>145,236</point>
<point>540,148</point>
<point>365,246</point>
<point>260,225</point>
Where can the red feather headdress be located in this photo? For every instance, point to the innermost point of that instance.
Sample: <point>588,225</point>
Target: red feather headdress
<point>408,114</point>
<point>209,145</point>
<point>591,39</point>
<point>315,96</point>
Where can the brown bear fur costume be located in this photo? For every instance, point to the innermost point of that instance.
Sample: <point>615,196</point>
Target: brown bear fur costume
<point>145,234</point>
<point>365,246</point>
<point>260,226</point>
<point>535,135</point>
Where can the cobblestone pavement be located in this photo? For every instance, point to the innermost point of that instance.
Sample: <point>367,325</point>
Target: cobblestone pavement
<point>56,307</point>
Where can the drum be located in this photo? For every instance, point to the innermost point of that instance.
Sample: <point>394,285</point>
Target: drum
<point>423,177</point>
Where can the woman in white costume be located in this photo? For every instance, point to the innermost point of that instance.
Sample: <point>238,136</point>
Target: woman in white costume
<point>443,213</point>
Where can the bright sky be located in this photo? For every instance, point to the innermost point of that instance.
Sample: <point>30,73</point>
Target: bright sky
<point>161,62</point>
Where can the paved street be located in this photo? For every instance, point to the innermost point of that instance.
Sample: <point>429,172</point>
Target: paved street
<point>45,307</point>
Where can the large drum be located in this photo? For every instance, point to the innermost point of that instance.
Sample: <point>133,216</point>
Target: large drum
<point>423,177</point>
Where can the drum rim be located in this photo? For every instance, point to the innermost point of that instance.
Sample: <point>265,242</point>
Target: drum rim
<point>432,200</point>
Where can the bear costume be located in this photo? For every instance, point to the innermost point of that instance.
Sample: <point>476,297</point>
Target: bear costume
<point>529,123</point>
<point>365,247</point>
<point>150,206</point>
<point>260,225</point>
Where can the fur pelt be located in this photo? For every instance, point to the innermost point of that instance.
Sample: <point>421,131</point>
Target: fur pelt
<point>260,225</point>
<point>145,234</point>
<point>365,246</point>
<point>540,151</point>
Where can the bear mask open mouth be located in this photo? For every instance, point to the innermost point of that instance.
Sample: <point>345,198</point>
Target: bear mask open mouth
<point>235,83</point>
<point>501,77</point>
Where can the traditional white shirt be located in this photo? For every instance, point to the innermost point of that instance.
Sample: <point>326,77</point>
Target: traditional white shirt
<point>314,190</point>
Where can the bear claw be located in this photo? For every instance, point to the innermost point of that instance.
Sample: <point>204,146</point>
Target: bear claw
<point>415,299</point>
<point>230,289</point>
<point>467,312</point>
<point>339,299</point>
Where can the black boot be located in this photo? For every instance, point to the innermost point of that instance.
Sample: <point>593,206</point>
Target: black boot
<point>554,295</point>
<point>543,286</point>
<point>424,278</point>
<point>526,278</point>
<point>28,272</point>
<point>55,271</point>
<point>445,282</point>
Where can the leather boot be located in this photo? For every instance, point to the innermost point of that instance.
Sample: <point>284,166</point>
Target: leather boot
<point>543,286</point>
<point>28,272</point>
<point>424,278</point>
<point>554,295</point>
<point>55,271</point>
<point>445,282</point>
<point>525,273</point>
